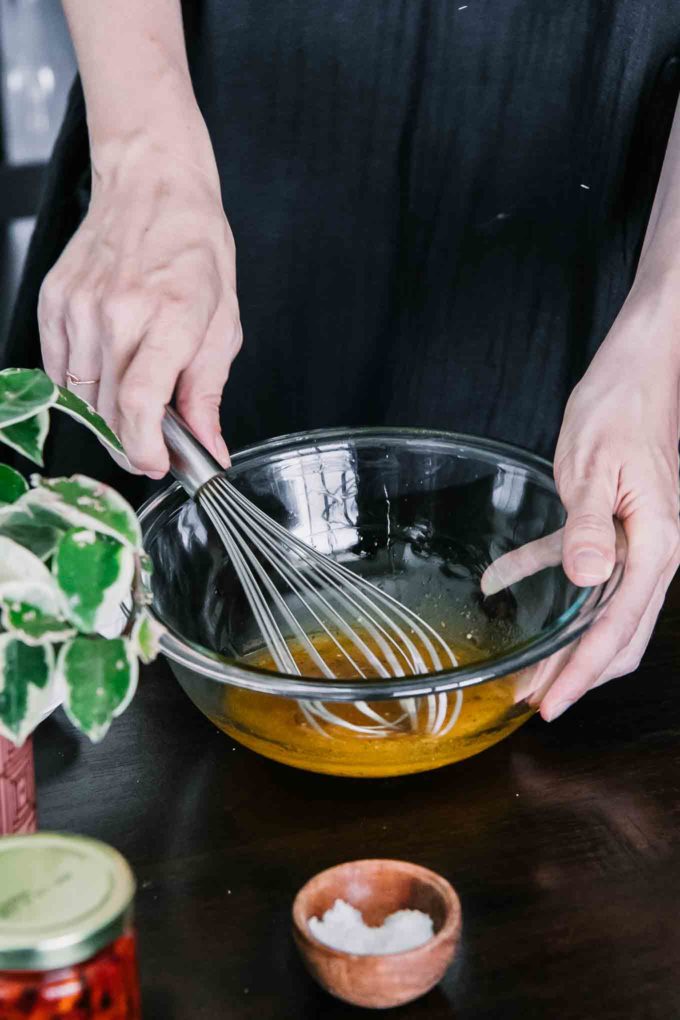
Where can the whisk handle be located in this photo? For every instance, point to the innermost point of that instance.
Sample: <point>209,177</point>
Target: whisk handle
<point>190,462</point>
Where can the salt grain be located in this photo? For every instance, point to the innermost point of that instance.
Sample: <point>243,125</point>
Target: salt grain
<point>343,927</point>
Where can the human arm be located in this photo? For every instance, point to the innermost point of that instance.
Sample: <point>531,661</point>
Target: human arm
<point>143,298</point>
<point>617,457</point>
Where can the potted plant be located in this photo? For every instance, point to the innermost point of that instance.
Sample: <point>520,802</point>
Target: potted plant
<point>70,558</point>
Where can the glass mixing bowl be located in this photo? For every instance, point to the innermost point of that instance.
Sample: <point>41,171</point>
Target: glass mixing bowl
<point>422,514</point>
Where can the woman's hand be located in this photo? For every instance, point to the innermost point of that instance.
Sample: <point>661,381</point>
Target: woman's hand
<point>143,300</point>
<point>617,457</point>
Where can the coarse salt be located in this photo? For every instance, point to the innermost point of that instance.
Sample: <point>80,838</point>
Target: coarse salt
<point>343,927</point>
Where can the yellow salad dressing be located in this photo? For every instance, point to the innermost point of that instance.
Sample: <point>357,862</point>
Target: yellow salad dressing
<point>380,738</point>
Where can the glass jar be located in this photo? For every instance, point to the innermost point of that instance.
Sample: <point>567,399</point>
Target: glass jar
<point>67,943</point>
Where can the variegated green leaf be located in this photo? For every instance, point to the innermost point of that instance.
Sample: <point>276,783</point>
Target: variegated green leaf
<point>27,584</point>
<point>100,679</point>
<point>95,573</point>
<point>82,502</point>
<point>146,636</point>
<point>19,566</point>
<point>20,523</point>
<point>24,392</point>
<point>79,409</point>
<point>27,687</point>
<point>28,436</point>
<point>34,613</point>
<point>12,485</point>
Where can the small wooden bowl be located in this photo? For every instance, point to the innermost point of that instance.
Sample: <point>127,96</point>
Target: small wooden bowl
<point>377,888</point>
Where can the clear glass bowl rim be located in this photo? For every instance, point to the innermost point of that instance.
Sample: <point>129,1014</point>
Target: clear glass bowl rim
<point>567,628</point>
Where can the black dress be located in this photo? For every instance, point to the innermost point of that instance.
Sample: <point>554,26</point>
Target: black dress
<point>438,206</point>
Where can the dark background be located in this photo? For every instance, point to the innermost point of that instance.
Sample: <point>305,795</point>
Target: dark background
<point>36,70</point>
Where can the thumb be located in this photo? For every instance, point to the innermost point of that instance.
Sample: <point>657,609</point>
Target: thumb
<point>199,395</point>
<point>203,418</point>
<point>589,549</point>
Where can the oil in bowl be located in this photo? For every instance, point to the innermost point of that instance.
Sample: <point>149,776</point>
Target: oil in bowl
<point>370,738</point>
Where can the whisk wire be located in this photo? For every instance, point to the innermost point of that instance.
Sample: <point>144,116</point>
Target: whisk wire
<point>265,556</point>
<point>327,565</point>
<point>260,536</point>
<point>264,618</point>
<point>346,580</point>
<point>274,558</point>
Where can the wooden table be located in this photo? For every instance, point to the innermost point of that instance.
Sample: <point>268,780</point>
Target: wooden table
<point>563,843</point>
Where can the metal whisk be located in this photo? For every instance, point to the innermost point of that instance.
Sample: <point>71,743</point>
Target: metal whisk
<point>283,579</point>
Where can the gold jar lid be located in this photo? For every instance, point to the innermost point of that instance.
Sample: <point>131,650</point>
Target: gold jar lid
<point>62,900</point>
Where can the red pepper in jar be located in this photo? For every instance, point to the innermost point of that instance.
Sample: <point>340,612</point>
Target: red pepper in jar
<point>67,944</point>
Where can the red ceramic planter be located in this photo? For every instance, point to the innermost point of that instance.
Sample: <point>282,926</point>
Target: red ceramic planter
<point>17,788</point>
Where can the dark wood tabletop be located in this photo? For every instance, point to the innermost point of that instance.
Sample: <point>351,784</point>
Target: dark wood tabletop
<point>563,843</point>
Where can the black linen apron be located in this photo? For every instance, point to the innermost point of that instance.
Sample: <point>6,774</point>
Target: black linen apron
<point>438,206</point>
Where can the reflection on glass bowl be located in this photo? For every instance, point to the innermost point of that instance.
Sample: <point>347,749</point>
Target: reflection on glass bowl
<point>421,514</point>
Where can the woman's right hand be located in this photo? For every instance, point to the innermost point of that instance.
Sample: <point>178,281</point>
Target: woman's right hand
<point>143,298</point>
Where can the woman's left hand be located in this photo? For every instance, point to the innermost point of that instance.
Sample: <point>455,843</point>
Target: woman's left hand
<point>617,457</point>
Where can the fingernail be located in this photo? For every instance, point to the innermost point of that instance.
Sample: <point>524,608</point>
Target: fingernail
<point>591,564</point>
<point>156,475</point>
<point>558,710</point>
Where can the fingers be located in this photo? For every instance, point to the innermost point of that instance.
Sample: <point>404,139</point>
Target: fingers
<point>70,338</point>
<point>200,386</point>
<point>514,566</point>
<point>652,553</point>
<point>586,546</point>
<point>149,340</point>
<point>125,316</point>
<point>629,658</point>
<point>589,549</point>
<point>533,683</point>
<point>84,367</point>
<point>53,337</point>
<point>132,302</point>
<point>145,388</point>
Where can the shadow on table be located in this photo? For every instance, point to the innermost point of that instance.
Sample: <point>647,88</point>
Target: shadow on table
<point>59,750</point>
<point>157,1004</point>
